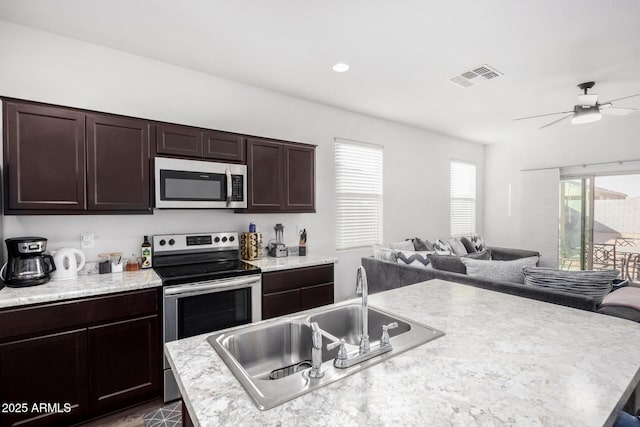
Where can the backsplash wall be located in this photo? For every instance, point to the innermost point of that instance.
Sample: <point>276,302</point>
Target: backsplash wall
<point>124,233</point>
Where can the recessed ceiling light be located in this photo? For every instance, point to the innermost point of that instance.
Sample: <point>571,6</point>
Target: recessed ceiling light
<point>340,67</point>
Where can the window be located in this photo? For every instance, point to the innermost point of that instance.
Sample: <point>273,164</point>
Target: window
<point>463,198</point>
<point>358,194</point>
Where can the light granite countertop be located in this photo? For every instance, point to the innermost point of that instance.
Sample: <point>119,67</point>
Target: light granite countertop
<point>267,263</point>
<point>82,286</point>
<point>504,361</point>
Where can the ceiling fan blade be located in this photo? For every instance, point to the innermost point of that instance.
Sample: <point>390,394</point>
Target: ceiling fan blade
<point>615,111</point>
<point>557,121</point>
<point>590,99</point>
<point>542,115</point>
<point>619,99</point>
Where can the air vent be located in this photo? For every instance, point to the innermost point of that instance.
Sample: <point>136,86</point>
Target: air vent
<point>475,76</point>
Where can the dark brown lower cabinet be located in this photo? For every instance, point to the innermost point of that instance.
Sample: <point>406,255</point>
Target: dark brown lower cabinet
<point>123,361</point>
<point>289,291</point>
<point>50,369</point>
<point>186,419</point>
<point>66,362</point>
<point>280,303</point>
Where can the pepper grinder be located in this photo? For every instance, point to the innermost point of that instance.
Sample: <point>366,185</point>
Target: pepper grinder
<point>302,246</point>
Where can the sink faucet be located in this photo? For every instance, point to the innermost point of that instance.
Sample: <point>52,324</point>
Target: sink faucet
<point>316,352</point>
<point>362,288</point>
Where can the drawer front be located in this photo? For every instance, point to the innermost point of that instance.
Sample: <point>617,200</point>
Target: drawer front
<point>296,278</point>
<point>49,317</point>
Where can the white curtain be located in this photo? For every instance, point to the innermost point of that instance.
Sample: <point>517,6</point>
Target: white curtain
<point>539,214</point>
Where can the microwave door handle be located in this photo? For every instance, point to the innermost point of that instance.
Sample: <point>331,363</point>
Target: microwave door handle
<point>229,186</point>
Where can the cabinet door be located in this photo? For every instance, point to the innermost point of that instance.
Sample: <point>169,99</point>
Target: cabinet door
<point>224,146</point>
<point>124,362</point>
<point>316,296</point>
<point>44,157</point>
<point>118,159</point>
<point>177,140</point>
<point>265,175</point>
<point>280,303</point>
<point>299,178</point>
<point>46,369</point>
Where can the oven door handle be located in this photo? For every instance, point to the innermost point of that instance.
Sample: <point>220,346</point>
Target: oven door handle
<point>208,286</point>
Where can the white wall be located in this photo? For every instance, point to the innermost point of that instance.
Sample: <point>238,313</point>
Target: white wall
<point>612,139</point>
<point>45,67</point>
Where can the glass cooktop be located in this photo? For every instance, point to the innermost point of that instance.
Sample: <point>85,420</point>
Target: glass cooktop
<point>204,271</point>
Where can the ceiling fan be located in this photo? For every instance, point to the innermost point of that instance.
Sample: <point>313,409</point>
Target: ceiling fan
<point>588,109</point>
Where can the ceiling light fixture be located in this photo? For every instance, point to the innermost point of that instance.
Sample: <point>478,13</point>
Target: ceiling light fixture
<point>340,67</point>
<point>585,114</point>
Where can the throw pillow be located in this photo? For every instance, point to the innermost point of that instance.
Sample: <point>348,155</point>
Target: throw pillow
<point>457,247</point>
<point>592,283</point>
<point>468,245</point>
<point>405,245</point>
<point>447,263</point>
<point>478,243</point>
<point>508,271</point>
<point>441,246</point>
<point>385,254</point>
<point>422,245</point>
<point>414,259</point>
<point>626,297</point>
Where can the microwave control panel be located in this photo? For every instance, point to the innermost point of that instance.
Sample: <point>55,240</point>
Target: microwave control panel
<point>237,188</point>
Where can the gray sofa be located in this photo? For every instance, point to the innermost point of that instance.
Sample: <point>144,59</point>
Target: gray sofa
<point>385,275</point>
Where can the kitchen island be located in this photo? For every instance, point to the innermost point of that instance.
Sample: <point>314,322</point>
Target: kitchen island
<point>504,360</point>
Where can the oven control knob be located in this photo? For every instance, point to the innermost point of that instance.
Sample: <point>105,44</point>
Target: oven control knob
<point>172,242</point>
<point>231,238</point>
<point>162,242</point>
<point>217,240</point>
<point>224,239</point>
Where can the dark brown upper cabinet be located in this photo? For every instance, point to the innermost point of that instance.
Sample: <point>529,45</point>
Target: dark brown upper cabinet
<point>224,146</point>
<point>280,176</point>
<point>65,161</point>
<point>182,141</point>
<point>299,178</point>
<point>44,157</point>
<point>196,143</point>
<point>265,179</point>
<point>118,159</point>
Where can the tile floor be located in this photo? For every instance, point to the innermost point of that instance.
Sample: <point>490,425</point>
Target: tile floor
<point>132,417</point>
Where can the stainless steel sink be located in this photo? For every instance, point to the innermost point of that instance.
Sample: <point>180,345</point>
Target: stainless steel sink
<point>271,359</point>
<point>274,350</point>
<point>344,322</point>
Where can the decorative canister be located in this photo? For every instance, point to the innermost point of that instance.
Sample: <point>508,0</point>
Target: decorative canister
<point>251,246</point>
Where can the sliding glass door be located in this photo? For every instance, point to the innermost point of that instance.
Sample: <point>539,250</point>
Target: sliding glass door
<point>599,220</point>
<point>575,229</point>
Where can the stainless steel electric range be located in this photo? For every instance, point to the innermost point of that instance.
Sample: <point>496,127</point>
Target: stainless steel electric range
<point>206,288</point>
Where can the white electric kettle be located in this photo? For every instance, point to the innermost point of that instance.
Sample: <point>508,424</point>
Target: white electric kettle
<point>68,262</point>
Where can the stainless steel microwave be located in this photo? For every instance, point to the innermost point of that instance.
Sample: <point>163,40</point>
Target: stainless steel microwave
<point>194,184</point>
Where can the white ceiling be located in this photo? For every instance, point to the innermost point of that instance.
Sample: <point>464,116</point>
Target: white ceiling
<point>401,53</point>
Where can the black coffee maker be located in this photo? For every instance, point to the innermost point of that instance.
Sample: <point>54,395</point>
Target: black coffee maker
<point>27,265</point>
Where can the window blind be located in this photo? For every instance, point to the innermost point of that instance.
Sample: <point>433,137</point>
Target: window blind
<point>358,194</point>
<point>463,198</point>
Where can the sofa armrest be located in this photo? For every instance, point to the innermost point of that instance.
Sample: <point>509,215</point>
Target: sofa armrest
<point>508,254</point>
